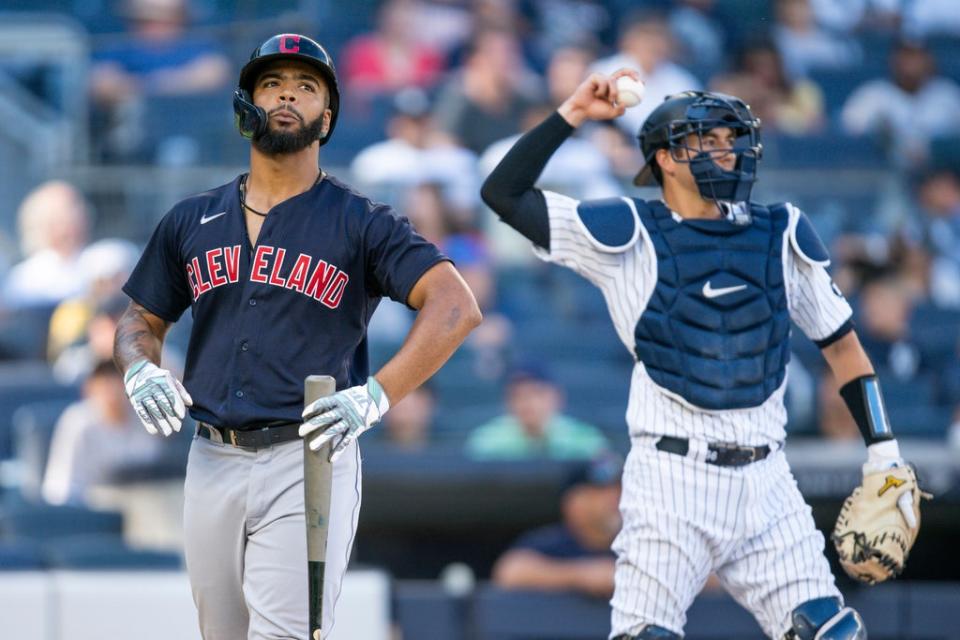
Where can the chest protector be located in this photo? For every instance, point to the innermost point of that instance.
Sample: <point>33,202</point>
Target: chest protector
<point>716,329</point>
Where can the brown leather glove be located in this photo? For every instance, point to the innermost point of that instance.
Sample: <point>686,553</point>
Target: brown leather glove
<point>875,531</point>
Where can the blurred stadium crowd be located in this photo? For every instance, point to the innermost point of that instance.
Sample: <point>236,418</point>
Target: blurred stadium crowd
<point>112,111</point>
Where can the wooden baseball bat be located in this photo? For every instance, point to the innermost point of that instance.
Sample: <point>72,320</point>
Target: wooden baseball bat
<point>317,477</point>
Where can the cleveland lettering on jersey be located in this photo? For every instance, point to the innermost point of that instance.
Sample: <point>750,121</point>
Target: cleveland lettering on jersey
<point>313,277</point>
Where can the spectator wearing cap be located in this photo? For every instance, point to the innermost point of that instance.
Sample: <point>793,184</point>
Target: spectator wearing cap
<point>534,426</point>
<point>909,108</point>
<point>96,439</point>
<point>574,554</point>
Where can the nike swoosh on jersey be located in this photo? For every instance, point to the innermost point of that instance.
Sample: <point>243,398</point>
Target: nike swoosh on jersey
<point>206,219</point>
<point>710,292</point>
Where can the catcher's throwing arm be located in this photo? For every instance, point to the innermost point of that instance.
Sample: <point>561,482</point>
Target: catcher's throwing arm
<point>317,476</point>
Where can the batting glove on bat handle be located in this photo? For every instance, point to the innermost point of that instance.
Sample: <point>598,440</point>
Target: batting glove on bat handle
<point>158,398</point>
<point>342,417</point>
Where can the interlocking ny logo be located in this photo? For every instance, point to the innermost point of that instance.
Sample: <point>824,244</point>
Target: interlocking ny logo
<point>290,43</point>
<point>890,482</point>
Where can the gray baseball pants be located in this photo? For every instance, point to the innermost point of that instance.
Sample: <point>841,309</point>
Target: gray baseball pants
<point>246,545</point>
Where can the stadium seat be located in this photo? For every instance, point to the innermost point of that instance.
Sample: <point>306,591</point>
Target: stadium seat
<point>45,522</point>
<point>25,383</point>
<point>528,615</point>
<point>33,427</point>
<point>425,610</point>
<point>23,333</point>
<point>823,151</point>
<point>21,555</point>
<point>107,552</point>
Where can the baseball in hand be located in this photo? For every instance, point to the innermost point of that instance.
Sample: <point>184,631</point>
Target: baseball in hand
<point>629,91</point>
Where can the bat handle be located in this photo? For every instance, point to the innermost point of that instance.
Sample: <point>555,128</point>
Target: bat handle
<point>317,481</point>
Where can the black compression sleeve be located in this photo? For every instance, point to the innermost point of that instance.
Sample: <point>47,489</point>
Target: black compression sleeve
<point>509,189</point>
<point>863,399</point>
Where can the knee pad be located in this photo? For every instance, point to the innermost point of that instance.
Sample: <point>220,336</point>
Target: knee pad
<point>652,632</point>
<point>825,619</point>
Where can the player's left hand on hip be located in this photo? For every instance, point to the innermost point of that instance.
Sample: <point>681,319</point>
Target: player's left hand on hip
<point>342,417</point>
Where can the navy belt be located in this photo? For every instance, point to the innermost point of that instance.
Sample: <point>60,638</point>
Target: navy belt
<point>721,454</point>
<point>256,438</point>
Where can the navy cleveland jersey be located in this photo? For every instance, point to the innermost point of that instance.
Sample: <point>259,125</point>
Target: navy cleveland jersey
<point>296,304</point>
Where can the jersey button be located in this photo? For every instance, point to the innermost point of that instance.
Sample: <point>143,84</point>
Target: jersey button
<point>253,302</point>
<point>239,394</point>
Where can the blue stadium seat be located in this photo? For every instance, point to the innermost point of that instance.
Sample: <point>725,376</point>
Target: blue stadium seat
<point>107,552</point>
<point>25,383</point>
<point>528,615</point>
<point>47,522</point>
<point>425,610</point>
<point>936,333</point>
<point>824,151</point>
<point>21,555</point>
<point>23,333</point>
<point>932,611</point>
<point>194,129</point>
<point>33,427</point>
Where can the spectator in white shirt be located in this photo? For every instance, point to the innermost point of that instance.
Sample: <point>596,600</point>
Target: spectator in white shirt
<point>806,46</point>
<point>416,152</point>
<point>907,109</point>
<point>53,222</point>
<point>646,45</point>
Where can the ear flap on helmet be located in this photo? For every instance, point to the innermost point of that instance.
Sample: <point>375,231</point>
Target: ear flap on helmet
<point>250,119</point>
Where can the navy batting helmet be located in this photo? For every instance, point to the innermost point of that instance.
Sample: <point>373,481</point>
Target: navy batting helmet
<point>252,120</point>
<point>696,112</point>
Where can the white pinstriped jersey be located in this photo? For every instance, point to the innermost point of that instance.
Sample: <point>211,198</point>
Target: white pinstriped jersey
<point>627,281</point>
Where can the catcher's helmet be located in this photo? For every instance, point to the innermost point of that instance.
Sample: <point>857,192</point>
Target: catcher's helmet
<point>252,120</point>
<point>696,112</point>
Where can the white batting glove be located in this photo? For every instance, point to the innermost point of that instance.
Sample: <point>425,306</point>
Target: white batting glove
<point>342,417</point>
<point>886,455</point>
<point>157,396</point>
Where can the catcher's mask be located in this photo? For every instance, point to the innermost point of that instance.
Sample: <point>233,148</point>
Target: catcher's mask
<point>697,112</point>
<point>251,120</point>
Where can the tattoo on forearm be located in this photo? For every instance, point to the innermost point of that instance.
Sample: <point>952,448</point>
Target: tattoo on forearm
<point>135,339</point>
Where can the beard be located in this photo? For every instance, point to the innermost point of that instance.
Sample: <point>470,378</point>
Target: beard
<point>278,142</point>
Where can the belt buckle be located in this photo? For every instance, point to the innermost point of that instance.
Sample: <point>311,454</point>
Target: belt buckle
<point>233,437</point>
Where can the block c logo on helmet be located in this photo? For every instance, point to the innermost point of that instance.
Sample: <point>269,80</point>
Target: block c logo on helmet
<point>286,47</point>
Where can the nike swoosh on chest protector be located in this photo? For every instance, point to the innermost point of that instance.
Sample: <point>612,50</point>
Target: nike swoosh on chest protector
<point>710,292</point>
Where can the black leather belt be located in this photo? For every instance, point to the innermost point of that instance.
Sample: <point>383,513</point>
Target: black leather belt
<point>251,438</point>
<point>721,454</point>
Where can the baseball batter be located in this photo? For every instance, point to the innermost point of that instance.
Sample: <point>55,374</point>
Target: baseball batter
<point>701,287</point>
<point>282,269</point>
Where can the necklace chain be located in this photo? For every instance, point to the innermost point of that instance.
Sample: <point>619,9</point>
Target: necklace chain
<point>243,195</point>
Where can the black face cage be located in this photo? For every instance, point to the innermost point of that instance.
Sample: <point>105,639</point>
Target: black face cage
<point>747,137</point>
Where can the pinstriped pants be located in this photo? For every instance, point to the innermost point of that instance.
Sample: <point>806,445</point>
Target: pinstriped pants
<point>683,518</point>
<point>246,541</point>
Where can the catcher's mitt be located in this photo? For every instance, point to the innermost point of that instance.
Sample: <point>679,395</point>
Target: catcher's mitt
<point>874,532</point>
